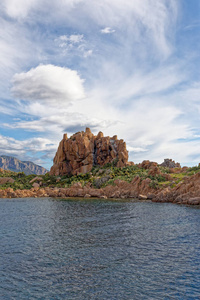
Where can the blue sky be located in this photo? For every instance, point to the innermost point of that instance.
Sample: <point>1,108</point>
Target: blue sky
<point>130,68</point>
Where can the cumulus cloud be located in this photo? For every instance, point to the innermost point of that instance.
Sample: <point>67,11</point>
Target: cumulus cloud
<point>107,30</point>
<point>48,83</point>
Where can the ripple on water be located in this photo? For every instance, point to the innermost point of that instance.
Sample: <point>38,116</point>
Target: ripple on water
<point>92,249</point>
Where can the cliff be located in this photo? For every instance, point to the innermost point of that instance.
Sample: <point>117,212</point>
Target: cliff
<point>15,165</point>
<point>83,150</point>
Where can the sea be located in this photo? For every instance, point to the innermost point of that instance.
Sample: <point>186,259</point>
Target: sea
<point>98,249</point>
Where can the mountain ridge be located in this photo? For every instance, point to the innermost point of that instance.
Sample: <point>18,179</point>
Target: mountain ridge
<point>14,164</point>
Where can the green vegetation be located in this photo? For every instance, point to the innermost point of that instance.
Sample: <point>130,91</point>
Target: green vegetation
<point>99,177</point>
<point>192,170</point>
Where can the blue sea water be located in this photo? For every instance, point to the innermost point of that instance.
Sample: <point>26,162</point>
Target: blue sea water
<point>98,249</point>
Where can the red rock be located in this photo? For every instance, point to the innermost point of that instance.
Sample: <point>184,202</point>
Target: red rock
<point>142,197</point>
<point>150,196</point>
<point>79,153</point>
<point>154,170</point>
<point>35,185</point>
<point>36,179</point>
<point>87,196</point>
<point>116,194</point>
<point>146,164</point>
<point>104,197</point>
<point>194,201</point>
<point>130,163</point>
<point>4,180</point>
<point>184,169</point>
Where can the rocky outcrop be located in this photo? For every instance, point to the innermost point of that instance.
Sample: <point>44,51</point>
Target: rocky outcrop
<point>4,180</point>
<point>147,164</point>
<point>16,165</point>
<point>151,166</point>
<point>83,150</point>
<point>169,163</point>
<point>186,192</point>
<point>121,189</point>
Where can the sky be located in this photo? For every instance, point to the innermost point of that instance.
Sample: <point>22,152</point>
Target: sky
<point>124,67</point>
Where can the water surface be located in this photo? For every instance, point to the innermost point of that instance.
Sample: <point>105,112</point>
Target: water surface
<point>97,249</point>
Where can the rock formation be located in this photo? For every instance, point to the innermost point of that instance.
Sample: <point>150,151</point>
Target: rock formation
<point>83,150</point>
<point>169,163</point>
<point>4,180</point>
<point>186,192</point>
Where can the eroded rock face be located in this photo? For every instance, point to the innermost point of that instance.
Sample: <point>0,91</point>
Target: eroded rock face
<point>146,164</point>
<point>79,153</point>
<point>186,192</point>
<point>169,163</point>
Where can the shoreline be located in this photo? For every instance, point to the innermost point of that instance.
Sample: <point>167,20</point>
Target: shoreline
<point>146,181</point>
<point>138,189</point>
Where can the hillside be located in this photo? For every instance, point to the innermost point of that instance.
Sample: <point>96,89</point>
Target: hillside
<point>15,165</point>
<point>145,181</point>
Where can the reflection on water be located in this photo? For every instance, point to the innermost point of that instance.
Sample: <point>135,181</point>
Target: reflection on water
<point>95,249</point>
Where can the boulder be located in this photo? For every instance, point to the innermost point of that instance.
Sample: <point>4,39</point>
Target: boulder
<point>100,181</point>
<point>83,150</point>
<point>4,180</point>
<point>153,171</point>
<point>36,179</point>
<point>142,197</point>
<point>146,164</point>
<point>87,196</point>
<point>194,201</point>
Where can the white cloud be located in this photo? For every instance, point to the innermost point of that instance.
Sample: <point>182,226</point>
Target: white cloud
<point>153,19</point>
<point>19,9</point>
<point>192,25</point>
<point>15,51</point>
<point>88,53</point>
<point>23,8</point>
<point>148,20</point>
<point>27,149</point>
<point>48,83</point>
<point>185,152</point>
<point>107,30</point>
<point>135,149</point>
<point>135,87</point>
<point>74,44</point>
<point>74,38</point>
<point>61,121</point>
<point>120,89</point>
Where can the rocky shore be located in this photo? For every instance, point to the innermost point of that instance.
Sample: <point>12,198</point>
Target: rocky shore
<point>88,165</point>
<point>187,192</point>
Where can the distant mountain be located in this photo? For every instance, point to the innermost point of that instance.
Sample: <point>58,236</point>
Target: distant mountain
<point>16,165</point>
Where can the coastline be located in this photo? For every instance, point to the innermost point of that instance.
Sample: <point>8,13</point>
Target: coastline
<point>186,192</point>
